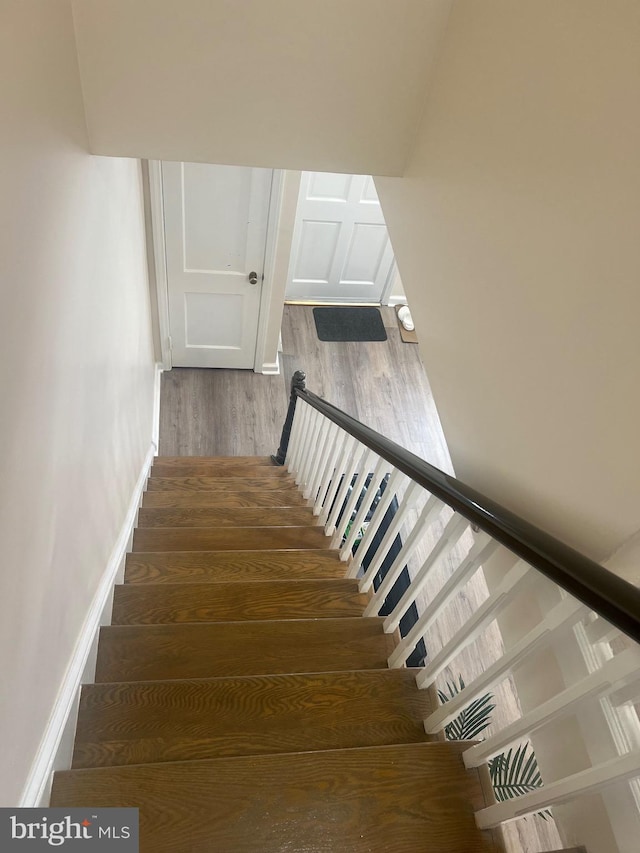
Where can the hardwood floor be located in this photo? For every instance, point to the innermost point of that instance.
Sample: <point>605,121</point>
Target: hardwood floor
<point>238,412</point>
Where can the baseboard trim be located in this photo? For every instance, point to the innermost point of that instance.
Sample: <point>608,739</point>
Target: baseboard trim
<point>35,792</point>
<point>271,368</point>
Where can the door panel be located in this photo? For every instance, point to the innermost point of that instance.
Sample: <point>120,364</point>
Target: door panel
<point>215,235</point>
<point>341,249</point>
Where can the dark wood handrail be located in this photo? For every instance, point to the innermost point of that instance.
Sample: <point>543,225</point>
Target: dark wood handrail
<point>610,596</point>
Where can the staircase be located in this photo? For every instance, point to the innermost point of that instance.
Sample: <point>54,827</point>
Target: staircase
<point>242,701</point>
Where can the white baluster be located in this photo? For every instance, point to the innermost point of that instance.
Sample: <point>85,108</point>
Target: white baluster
<point>629,695</point>
<point>563,616</point>
<point>310,445</point>
<point>347,458</point>
<point>381,469</point>
<point>600,631</point>
<point>588,781</point>
<point>305,427</point>
<point>512,583</point>
<point>362,459</point>
<point>329,468</point>
<point>396,481</point>
<point>430,512</point>
<point>614,674</point>
<point>483,548</point>
<point>452,532</point>
<point>323,442</point>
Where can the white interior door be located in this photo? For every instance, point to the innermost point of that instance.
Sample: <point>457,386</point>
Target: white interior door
<point>215,235</point>
<point>341,249</point>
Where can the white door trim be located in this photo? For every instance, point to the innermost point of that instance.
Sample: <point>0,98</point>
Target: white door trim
<point>160,258</point>
<point>273,221</point>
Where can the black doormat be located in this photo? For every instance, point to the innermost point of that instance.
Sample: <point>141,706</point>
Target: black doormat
<point>349,323</point>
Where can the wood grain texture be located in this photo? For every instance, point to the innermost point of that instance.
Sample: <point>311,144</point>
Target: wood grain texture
<point>221,566</point>
<point>227,517</point>
<point>208,650</point>
<point>202,468</point>
<point>187,485</point>
<point>242,498</point>
<point>154,604</point>
<point>142,722</point>
<point>228,539</point>
<point>220,462</point>
<point>387,799</point>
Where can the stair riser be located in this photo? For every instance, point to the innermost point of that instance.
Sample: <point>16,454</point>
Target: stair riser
<point>222,566</point>
<point>171,721</point>
<point>229,539</point>
<point>211,650</point>
<point>188,469</point>
<point>199,517</point>
<point>198,484</point>
<point>235,602</point>
<point>245,499</point>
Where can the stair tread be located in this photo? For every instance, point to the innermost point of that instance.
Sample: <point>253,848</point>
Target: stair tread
<point>184,466</point>
<point>211,498</point>
<point>141,722</point>
<point>228,538</point>
<point>396,799</point>
<point>221,484</point>
<point>236,601</point>
<point>226,517</point>
<point>205,650</point>
<point>219,460</point>
<point>198,566</point>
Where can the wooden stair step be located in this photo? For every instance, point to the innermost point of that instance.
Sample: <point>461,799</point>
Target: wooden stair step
<point>228,538</point>
<point>221,566</point>
<point>220,461</point>
<point>227,517</point>
<point>143,722</point>
<point>386,799</point>
<point>209,650</point>
<point>188,485</point>
<point>156,604</point>
<point>244,498</point>
<point>191,466</point>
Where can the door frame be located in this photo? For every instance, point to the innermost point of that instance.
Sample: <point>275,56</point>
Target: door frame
<point>156,199</point>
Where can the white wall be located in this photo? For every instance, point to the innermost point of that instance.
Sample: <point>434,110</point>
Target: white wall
<point>319,84</point>
<point>76,367</point>
<point>516,234</point>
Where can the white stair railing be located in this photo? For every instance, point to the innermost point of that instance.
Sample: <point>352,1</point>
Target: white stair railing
<point>385,509</point>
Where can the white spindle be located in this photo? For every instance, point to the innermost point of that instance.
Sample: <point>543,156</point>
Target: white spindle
<point>564,615</point>
<point>452,532</point>
<point>330,472</point>
<point>346,457</point>
<point>500,598</point>
<point>430,512</point>
<point>379,472</point>
<point>615,673</point>
<point>305,427</point>
<point>396,481</point>
<point>347,497</point>
<point>483,548</point>
<point>600,631</point>
<point>629,695</point>
<point>310,445</point>
<point>406,503</point>
<point>588,781</point>
<point>324,441</point>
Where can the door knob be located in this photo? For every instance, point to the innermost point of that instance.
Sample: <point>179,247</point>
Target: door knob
<point>253,278</point>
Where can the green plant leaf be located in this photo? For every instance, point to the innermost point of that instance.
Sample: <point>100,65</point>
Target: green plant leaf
<point>516,773</point>
<point>473,720</point>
